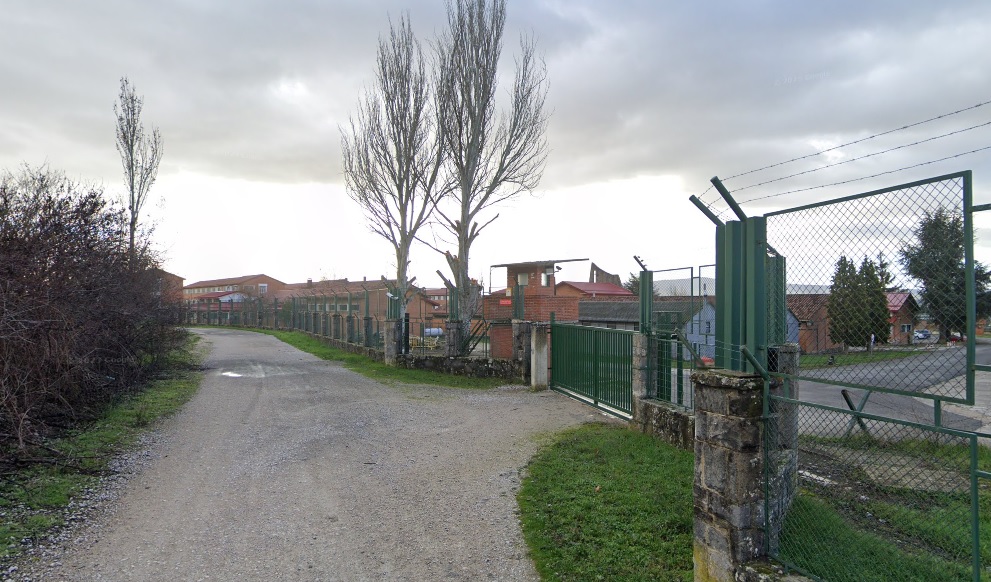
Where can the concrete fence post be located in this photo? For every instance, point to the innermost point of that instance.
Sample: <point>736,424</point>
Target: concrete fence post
<point>644,375</point>
<point>391,342</point>
<point>729,470</point>
<point>782,425</point>
<point>539,356</point>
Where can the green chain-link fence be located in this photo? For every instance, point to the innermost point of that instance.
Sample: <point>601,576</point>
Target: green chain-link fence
<point>878,284</point>
<point>876,498</point>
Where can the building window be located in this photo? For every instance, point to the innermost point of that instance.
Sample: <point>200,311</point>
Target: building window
<point>708,327</point>
<point>906,328</point>
<point>262,288</point>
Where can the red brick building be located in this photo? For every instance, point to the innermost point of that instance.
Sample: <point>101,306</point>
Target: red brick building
<point>168,286</point>
<point>543,295</point>
<point>249,285</point>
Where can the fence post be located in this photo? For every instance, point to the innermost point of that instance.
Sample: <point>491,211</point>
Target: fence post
<point>781,474</point>
<point>391,342</point>
<point>522,332</point>
<point>729,471</point>
<point>539,377</point>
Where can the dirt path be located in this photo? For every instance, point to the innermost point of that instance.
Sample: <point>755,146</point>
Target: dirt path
<point>285,467</point>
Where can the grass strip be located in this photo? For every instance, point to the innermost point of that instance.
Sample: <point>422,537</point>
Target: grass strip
<point>374,369</point>
<point>608,503</point>
<point>33,497</point>
<point>812,361</point>
<point>819,541</point>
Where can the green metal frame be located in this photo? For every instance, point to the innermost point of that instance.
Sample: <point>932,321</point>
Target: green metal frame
<point>741,302</point>
<point>594,365</point>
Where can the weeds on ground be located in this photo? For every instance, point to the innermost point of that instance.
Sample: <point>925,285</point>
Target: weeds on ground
<point>608,503</point>
<point>377,370</point>
<point>40,482</point>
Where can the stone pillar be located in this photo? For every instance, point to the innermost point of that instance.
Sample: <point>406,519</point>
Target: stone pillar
<point>452,328</point>
<point>391,342</point>
<point>539,356</point>
<point>729,495</point>
<point>368,331</point>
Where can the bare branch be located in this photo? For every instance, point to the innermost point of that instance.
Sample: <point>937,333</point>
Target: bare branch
<point>140,153</point>
<point>392,152</point>
<point>488,158</point>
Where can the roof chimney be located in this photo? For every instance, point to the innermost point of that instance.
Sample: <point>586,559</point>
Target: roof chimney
<point>309,283</point>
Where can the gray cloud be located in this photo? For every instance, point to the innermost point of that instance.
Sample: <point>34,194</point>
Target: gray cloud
<point>257,90</point>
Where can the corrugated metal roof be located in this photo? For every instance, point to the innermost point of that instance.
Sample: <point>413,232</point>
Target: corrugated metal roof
<point>615,311</point>
<point>539,263</point>
<point>597,288</point>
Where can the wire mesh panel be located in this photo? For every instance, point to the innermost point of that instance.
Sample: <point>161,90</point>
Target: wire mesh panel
<point>858,497</point>
<point>880,287</point>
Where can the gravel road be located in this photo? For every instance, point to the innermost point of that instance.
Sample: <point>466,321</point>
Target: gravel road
<point>286,467</point>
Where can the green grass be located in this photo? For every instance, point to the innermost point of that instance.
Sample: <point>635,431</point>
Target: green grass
<point>818,540</point>
<point>32,497</point>
<point>811,361</point>
<point>608,503</point>
<point>864,529</point>
<point>378,370</point>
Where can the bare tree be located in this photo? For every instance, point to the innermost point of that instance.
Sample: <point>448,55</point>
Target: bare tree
<point>391,149</point>
<point>490,158</point>
<point>140,153</point>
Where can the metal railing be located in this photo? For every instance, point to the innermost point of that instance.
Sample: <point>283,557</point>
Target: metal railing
<point>594,364</point>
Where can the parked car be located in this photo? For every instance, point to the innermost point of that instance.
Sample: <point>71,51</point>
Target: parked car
<point>922,334</point>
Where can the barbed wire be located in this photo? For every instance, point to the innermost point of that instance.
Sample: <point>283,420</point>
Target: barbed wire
<point>861,140</point>
<point>833,165</point>
<point>870,176</point>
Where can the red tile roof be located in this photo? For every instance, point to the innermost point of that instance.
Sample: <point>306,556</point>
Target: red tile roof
<point>897,300</point>
<point>227,281</point>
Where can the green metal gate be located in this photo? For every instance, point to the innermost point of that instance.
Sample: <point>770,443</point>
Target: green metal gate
<point>594,365</point>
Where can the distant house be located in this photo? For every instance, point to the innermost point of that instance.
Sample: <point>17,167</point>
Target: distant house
<point>902,310</point>
<point>812,320</point>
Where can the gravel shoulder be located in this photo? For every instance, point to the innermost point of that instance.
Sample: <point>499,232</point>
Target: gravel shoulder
<point>287,467</point>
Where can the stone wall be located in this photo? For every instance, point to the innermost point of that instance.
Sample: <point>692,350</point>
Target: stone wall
<point>669,423</point>
<point>512,371</point>
<point>373,353</point>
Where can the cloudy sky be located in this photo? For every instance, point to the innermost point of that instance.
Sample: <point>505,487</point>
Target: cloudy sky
<point>648,101</point>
